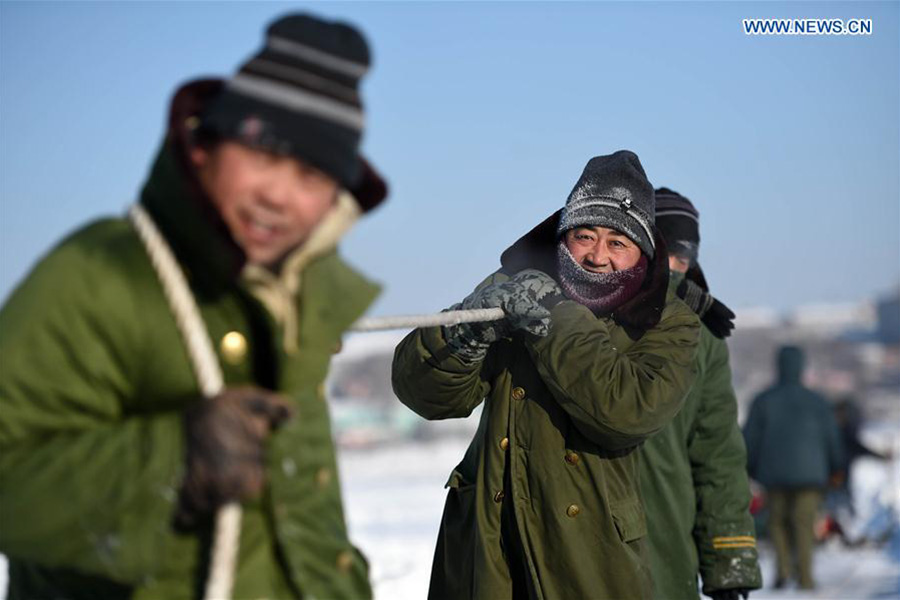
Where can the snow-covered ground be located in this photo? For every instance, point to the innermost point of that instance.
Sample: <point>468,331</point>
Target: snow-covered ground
<point>394,497</point>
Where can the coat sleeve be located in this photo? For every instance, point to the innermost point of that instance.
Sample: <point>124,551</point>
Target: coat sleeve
<point>85,482</point>
<point>617,398</point>
<point>723,529</point>
<point>434,383</point>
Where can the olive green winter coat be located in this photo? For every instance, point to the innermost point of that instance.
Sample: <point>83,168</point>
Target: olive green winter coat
<point>695,489</point>
<point>93,383</point>
<point>555,449</point>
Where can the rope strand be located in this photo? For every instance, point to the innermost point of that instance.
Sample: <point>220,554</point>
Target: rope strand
<point>450,317</point>
<point>226,536</point>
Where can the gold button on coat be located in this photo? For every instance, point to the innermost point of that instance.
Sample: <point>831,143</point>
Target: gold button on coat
<point>572,458</point>
<point>573,510</point>
<point>323,477</point>
<point>233,347</point>
<point>344,561</point>
<point>518,393</point>
<point>498,497</point>
<point>504,443</point>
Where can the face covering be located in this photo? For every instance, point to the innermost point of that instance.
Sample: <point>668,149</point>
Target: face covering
<point>601,292</point>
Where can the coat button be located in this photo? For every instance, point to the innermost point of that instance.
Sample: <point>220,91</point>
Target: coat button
<point>573,510</point>
<point>504,443</point>
<point>344,561</point>
<point>338,346</point>
<point>572,458</point>
<point>498,497</point>
<point>518,393</point>
<point>233,347</point>
<point>323,477</point>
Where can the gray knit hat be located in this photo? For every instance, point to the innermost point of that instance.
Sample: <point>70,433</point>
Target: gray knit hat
<point>613,192</point>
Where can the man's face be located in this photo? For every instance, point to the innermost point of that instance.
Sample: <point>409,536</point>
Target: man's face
<point>679,264</point>
<point>270,203</point>
<point>602,250</point>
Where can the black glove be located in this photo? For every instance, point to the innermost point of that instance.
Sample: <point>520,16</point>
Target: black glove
<point>526,300</point>
<point>717,317</point>
<point>225,450</point>
<point>732,594</point>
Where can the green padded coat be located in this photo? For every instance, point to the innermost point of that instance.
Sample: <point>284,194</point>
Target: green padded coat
<point>696,491</point>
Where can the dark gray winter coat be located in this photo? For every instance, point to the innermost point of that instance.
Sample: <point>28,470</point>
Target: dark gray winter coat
<point>791,434</point>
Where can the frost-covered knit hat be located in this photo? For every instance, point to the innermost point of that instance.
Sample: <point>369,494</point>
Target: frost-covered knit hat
<point>678,221</point>
<point>299,96</point>
<point>613,192</point>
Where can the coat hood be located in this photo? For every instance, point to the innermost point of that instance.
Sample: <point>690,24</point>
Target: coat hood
<point>185,214</point>
<point>537,250</point>
<point>790,364</point>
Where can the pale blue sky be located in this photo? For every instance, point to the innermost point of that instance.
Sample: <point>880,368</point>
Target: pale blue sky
<point>482,116</point>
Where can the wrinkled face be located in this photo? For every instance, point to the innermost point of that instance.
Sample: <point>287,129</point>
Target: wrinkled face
<point>270,203</point>
<point>679,264</point>
<point>602,250</point>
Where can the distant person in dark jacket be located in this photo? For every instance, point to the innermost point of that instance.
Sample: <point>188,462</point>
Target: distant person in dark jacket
<point>849,420</point>
<point>793,449</point>
<point>840,500</point>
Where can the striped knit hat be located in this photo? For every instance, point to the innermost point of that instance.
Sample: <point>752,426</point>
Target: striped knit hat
<point>678,222</point>
<point>299,96</point>
<point>613,192</point>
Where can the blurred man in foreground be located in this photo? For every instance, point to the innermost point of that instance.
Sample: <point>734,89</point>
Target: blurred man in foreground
<point>111,464</point>
<point>794,450</point>
<point>693,473</point>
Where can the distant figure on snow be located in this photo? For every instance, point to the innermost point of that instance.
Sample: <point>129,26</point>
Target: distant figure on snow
<point>794,450</point>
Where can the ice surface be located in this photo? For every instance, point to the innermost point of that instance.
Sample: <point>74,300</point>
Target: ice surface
<point>394,497</point>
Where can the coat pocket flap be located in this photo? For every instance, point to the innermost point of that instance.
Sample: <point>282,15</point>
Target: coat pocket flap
<point>630,520</point>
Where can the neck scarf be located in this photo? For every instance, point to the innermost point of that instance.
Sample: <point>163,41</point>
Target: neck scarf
<point>601,292</point>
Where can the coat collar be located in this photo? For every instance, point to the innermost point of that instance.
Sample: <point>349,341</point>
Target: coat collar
<point>188,220</point>
<point>537,250</point>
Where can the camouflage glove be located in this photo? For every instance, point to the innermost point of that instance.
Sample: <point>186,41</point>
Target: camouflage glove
<point>717,317</point>
<point>526,300</point>
<point>732,594</point>
<point>225,449</point>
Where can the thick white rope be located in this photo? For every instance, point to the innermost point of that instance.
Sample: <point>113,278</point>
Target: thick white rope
<point>450,317</point>
<point>227,532</point>
<point>206,366</point>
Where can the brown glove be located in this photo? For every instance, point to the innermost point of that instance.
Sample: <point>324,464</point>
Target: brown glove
<point>226,449</point>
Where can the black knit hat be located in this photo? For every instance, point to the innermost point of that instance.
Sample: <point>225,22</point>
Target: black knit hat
<point>613,192</point>
<point>299,96</point>
<point>679,222</point>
